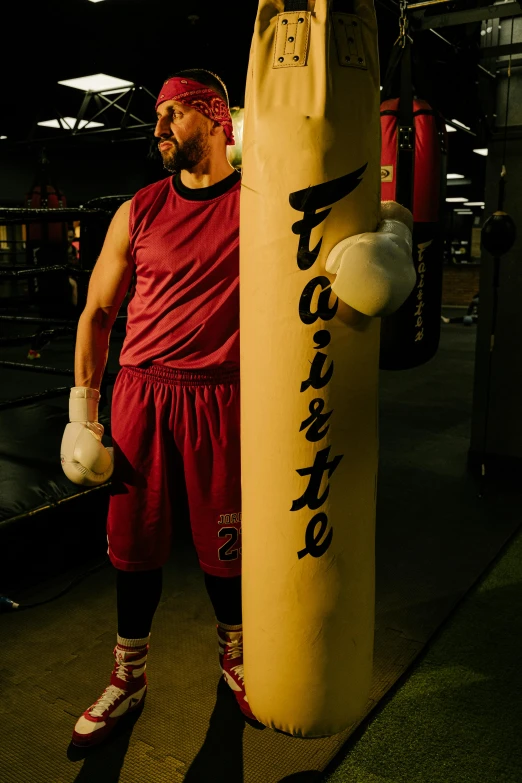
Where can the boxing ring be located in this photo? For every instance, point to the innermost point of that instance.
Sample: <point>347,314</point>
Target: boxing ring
<point>36,500</point>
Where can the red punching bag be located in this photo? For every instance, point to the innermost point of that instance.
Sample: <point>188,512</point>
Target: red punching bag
<point>46,244</point>
<point>413,173</point>
<point>45,194</point>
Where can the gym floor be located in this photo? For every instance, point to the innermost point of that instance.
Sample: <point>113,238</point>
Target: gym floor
<point>435,538</point>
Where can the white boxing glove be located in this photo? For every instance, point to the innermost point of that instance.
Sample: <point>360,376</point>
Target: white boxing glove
<point>85,460</point>
<point>375,270</point>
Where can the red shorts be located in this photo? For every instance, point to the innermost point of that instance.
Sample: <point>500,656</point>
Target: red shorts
<point>175,435</point>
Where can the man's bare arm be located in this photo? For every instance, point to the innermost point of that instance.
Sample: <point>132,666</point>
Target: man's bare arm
<point>108,285</point>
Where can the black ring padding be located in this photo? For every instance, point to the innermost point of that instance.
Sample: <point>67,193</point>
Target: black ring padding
<point>31,271</point>
<point>108,377</point>
<point>12,301</point>
<point>54,503</point>
<point>60,331</point>
<point>17,339</point>
<point>58,215</point>
<point>112,200</point>
<point>49,394</point>
<point>34,368</point>
<point>33,319</point>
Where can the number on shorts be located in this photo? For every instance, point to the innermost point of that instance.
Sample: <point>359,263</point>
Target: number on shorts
<point>224,552</point>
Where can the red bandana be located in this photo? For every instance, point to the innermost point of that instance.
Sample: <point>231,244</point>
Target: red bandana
<point>201,98</point>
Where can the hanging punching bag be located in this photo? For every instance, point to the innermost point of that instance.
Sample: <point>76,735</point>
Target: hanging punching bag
<point>311,177</point>
<point>413,172</point>
<point>46,243</point>
<point>45,194</point>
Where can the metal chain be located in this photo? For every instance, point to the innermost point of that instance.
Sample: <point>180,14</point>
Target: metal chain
<point>403,25</point>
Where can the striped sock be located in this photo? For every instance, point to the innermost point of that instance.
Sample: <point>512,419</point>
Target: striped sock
<point>122,642</point>
<point>230,627</point>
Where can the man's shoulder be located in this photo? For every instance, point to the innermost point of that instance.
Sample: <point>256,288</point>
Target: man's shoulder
<point>152,189</point>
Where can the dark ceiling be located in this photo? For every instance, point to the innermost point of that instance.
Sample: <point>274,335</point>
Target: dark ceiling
<point>145,40</point>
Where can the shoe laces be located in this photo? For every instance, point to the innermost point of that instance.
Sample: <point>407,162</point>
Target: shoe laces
<point>238,671</point>
<point>234,649</point>
<point>106,700</point>
<point>123,671</point>
<point>123,668</point>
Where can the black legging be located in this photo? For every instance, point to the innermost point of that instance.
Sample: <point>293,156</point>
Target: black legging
<point>225,596</point>
<point>138,594</point>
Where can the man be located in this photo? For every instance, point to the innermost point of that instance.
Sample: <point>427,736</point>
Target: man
<point>175,408</point>
<point>471,316</point>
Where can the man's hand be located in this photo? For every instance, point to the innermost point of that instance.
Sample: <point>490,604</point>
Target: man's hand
<point>375,271</point>
<point>84,458</point>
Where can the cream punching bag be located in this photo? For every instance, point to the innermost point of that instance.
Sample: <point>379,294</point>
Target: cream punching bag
<point>311,177</point>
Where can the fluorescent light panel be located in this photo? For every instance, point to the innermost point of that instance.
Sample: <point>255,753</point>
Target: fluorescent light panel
<point>464,212</point>
<point>457,198</point>
<point>475,203</point>
<point>455,176</point>
<point>451,129</point>
<point>114,92</point>
<point>461,124</point>
<point>482,151</point>
<point>68,123</point>
<point>3,137</point>
<point>97,82</point>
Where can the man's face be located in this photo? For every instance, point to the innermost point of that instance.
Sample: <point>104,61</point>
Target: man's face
<point>183,135</point>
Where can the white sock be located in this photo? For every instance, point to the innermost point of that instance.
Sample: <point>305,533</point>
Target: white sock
<point>230,627</point>
<point>132,642</point>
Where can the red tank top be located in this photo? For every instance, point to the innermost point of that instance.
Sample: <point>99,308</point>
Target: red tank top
<point>185,245</point>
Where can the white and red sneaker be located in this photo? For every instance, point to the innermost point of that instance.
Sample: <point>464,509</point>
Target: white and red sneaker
<point>125,693</point>
<point>231,662</point>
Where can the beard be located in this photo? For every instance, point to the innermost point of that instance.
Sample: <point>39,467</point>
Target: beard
<point>187,154</point>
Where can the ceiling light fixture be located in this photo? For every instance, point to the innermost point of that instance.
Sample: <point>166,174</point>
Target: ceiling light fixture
<point>464,211</point>
<point>456,199</point>
<point>461,124</point>
<point>455,176</point>
<point>475,203</point>
<point>68,123</point>
<point>97,82</point>
<point>482,151</point>
<point>3,137</point>
<point>114,92</point>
